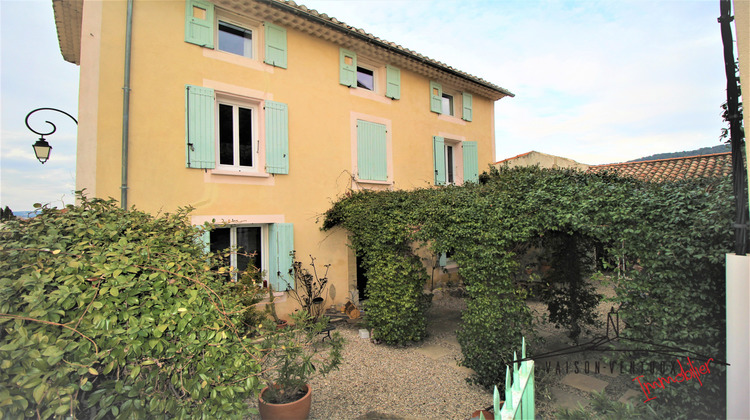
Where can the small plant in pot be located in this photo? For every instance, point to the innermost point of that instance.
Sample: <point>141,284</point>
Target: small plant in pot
<point>292,356</point>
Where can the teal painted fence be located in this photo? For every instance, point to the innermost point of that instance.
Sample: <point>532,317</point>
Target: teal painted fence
<point>519,394</point>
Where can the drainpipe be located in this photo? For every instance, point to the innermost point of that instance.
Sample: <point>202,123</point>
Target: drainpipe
<point>126,108</point>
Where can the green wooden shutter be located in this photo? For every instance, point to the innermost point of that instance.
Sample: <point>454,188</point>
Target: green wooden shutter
<point>281,246</point>
<point>467,105</point>
<point>439,151</point>
<point>275,45</point>
<point>393,82</point>
<point>443,261</point>
<point>199,130</point>
<point>199,23</point>
<point>347,68</point>
<point>372,155</point>
<point>436,97</point>
<point>277,137</point>
<point>205,240</point>
<point>471,161</point>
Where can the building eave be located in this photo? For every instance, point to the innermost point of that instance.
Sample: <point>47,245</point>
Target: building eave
<point>68,19</point>
<point>397,53</point>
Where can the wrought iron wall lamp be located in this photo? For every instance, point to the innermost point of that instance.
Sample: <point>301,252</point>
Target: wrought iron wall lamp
<point>42,148</point>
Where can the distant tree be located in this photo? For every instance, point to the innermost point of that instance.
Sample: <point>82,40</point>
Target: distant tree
<point>721,148</point>
<point>6,214</point>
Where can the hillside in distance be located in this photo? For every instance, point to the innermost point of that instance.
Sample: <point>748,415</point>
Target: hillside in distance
<point>722,148</point>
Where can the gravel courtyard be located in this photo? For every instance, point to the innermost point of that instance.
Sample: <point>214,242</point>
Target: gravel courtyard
<point>376,381</point>
<point>423,381</point>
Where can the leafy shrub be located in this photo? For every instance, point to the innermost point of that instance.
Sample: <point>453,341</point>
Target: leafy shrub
<point>111,313</point>
<point>396,306</point>
<point>602,407</point>
<point>675,294</point>
<point>249,293</point>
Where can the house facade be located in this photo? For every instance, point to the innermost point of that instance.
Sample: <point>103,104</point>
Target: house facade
<point>259,114</point>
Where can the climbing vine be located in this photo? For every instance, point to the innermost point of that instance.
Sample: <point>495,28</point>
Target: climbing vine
<point>671,239</point>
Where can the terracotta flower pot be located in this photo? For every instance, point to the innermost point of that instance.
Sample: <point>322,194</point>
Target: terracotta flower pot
<point>295,410</point>
<point>487,415</point>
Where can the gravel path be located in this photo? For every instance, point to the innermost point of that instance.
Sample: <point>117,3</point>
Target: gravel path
<point>379,382</point>
<point>417,382</point>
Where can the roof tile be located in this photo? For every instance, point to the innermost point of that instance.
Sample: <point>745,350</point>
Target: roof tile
<point>705,166</point>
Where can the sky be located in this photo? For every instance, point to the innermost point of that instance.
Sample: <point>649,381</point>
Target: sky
<point>595,81</point>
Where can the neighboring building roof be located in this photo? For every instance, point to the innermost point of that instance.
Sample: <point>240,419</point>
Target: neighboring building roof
<point>542,159</point>
<point>705,166</point>
<point>68,21</point>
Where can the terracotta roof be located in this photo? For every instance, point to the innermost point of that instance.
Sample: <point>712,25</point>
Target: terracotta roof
<point>299,17</point>
<point>352,31</point>
<point>705,166</point>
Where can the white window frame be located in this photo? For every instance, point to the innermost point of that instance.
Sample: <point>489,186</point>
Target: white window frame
<point>378,74</point>
<point>235,20</point>
<point>450,162</point>
<point>236,103</point>
<point>456,143</point>
<point>263,249</point>
<point>456,100</point>
<point>451,104</point>
<point>374,71</point>
<point>245,53</point>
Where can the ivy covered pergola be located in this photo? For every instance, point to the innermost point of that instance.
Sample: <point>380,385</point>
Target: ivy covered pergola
<point>672,236</point>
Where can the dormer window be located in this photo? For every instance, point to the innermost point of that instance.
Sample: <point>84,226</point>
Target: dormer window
<point>369,74</point>
<point>222,31</point>
<point>235,39</point>
<point>450,102</point>
<point>447,104</point>
<point>365,78</point>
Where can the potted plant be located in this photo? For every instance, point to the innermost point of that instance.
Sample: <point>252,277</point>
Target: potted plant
<point>292,356</point>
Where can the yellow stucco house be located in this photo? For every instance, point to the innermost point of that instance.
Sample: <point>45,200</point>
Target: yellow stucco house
<point>259,114</point>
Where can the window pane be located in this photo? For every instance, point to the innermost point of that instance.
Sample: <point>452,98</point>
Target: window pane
<point>220,241</point>
<point>248,247</point>
<point>235,40</point>
<point>226,148</point>
<point>449,164</point>
<point>365,78</point>
<point>447,104</point>
<point>246,136</point>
